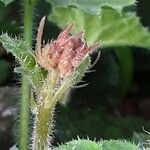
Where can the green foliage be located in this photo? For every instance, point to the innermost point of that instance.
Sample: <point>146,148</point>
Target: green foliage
<point>117,145</point>
<point>93,7</point>
<point>126,63</point>
<point>82,144</point>
<point>79,144</point>
<point>20,50</point>
<point>6,2</point>
<point>24,55</point>
<point>110,28</point>
<point>95,124</point>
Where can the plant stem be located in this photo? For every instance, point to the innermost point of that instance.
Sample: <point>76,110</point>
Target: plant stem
<point>44,116</point>
<point>25,90</point>
<point>24,114</point>
<point>43,125</point>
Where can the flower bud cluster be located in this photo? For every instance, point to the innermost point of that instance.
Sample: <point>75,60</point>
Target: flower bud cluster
<point>64,53</point>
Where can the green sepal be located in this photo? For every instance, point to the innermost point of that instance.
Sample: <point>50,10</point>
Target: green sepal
<point>79,71</point>
<point>74,77</point>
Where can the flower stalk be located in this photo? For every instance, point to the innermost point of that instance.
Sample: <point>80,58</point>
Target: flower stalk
<point>66,59</point>
<point>44,115</point>
<point>25,90</point>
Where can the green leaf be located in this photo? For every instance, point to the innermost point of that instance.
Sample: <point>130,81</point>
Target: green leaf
<point>117,145</point>
<point>6,2</point>
<point>93,6</point>
<point>24,55</point>
<point>82,144</point>
<point>126,63</point>
<point>109,29</point>
<point>20,50</point>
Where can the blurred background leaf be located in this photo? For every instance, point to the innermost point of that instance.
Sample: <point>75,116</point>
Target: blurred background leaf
<point>72,122</point>
<point>126,64</point>
<point>109,28</point>
<point>93,7</point>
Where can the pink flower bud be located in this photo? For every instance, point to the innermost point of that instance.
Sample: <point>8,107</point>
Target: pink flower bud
<point>63,54</point>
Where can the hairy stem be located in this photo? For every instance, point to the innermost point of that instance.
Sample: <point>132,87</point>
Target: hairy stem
<point>43,125</point>
<point>25,90</point>
<point>44,116</point>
